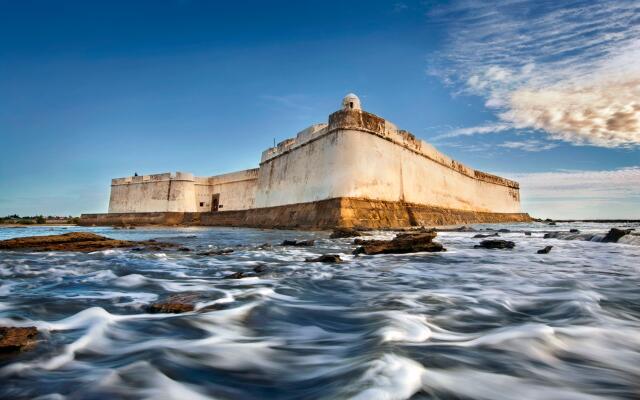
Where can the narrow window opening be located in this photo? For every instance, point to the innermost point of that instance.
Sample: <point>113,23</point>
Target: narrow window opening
<point>201,204</point>
<point>351,104</point>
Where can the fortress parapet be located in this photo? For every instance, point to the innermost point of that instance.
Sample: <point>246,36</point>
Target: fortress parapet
<point>177,176</point>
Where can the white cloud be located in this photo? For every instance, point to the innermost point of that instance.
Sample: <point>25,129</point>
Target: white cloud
<point>569,69</point>
<point>475,130</point>
<point>532,145</point>
<point>581,194</point>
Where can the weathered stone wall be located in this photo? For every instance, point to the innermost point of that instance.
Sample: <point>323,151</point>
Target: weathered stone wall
<point>182,192</point>
<point>324,214</point>
<point>153,193</point>
<point>236,190</point>
<point>365,213</point>
<point>360,155</point>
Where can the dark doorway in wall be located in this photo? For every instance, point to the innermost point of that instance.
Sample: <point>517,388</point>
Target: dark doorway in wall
<point>351,105</point>
<point>215,202</point>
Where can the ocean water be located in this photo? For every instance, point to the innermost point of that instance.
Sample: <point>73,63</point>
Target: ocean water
<point>463,324</point>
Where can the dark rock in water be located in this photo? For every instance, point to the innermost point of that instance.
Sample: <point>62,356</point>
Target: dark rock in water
<point>482,236</point>
<point>615,234</point>
<point>344,233</point>
<point>175,303</point>
<point>527,233</point>
<point>73,241</point>
<point>458,229</point>
<point>215,252</point>
<point>551,223</point>
<point>169,308</point>
<point>568,236</point>
<point>574,230</point>
<point>264,246</point>
<point>235,275</point>
<point>14,339</point>
<point>132,227</point>
<point>546,250</point>
<point>299,243</point>
<point>260,269</point>
<point>402,243</point>
<point>326,258</point>
<point>184,249</point>
<point>503,230</point>
<point>495,244</point>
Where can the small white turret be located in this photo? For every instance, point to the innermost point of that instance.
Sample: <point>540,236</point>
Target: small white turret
<point>351,102</point>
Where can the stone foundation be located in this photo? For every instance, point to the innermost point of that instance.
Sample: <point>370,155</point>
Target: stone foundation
<point>325,214</point>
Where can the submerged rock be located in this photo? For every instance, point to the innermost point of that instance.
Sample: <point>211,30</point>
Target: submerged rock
<point>527,233</point>
<point>569,236</point>
<point>402,243</point>
<point>574,230</point>
<point>73,241</point>
<point>546,250</point>
<point>615,234</point>
<point>482,236</point>
<point>215,252</point>
<point>458,229</point>
<point>260,269</point>
<point>344,233</point>
<point>299,243</point>
<point>495,244</point>
<point>326,258</point>
<point>176,303</point>
<point>235,275</point>
<point>14,339</point>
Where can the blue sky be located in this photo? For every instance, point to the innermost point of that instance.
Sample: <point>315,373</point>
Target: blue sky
<point>535,91</point>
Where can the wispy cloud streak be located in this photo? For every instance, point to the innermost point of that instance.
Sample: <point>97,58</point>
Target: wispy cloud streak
<point>569,69</point>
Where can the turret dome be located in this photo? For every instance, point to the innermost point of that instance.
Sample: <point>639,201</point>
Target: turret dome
<point>351,102</point>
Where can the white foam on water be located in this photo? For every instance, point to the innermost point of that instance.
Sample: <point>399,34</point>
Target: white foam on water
<point>51,396</point>
<point>192,285</point>
<point>391,377</point>
<point>100,276</point>
<point>630,239</point>
<point>144,381</point>
<point>481,385</point>
<point>5,288</point>
<point>405,327</point>
<point>130,281</point>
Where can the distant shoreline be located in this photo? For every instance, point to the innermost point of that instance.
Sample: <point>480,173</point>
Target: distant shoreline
<point>599,221</point>
<point>33,225</point>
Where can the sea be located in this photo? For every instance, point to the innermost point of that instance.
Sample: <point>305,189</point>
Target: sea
<point>468,323</point>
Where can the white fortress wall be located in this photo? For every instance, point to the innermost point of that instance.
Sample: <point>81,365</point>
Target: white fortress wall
<point>374,160</point>
<point>236,190</point>
<point>152,193</point>
<point>292,174</point>
<point>401,174</point>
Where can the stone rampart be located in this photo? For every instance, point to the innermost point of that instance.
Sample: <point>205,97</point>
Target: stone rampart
<point>360,155</point>
<point>324,214</point>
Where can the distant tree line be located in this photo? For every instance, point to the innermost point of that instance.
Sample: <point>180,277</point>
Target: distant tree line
<point>38,219</point>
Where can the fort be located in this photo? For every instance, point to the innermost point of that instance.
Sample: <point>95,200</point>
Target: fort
<point>357,170</point>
